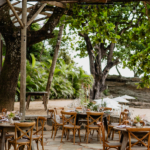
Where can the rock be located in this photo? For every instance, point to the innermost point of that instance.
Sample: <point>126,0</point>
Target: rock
<point>119,86</point>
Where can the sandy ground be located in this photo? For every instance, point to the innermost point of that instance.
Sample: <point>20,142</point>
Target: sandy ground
<point>37,108</point>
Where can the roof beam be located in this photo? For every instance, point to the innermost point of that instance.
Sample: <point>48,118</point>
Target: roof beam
<point>16,3</point>
<point>28,10</point>
<point>39,19</point>
<point>16,15</point>
<point>35,15</point>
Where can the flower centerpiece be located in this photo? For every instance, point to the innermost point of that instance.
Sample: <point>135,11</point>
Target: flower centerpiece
<point>11,115</point>
<point>138,119</point>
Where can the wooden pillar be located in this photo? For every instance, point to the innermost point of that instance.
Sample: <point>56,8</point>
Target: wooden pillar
<point>23,59</point>
<point>1,52</point>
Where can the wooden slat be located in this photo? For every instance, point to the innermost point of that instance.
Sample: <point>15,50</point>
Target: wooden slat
<point>35,15</point>
<point>16,3</point>
<point>15,13</point>
<point>28,10</point>
<point>18,15</point>
<point>40,19</point>
<point>58,4</point>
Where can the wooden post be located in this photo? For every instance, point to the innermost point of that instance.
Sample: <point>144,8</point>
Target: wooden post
<point>23,60</point>
<point>1,53</point>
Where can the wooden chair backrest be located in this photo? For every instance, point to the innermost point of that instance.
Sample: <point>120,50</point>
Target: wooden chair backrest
<point>123,116</point>
<point>58,108</point>
<point>141,122</point>
<point>29,129</point>
<point>78,107</point>
<point>131,133</point>
<point>91,120</point>
<point>50,113</point>
<point>42,121</point>
<point>107,108</point>
<point>126,110</point>
<point>69,118</point>
<point>4,110</point>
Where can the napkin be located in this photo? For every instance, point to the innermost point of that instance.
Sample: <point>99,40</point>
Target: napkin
<point>123,126</point>
<point>5,119</point>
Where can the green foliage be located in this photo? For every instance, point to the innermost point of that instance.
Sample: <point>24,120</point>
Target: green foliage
<point>11,115</point>
<point>67,80</point>
<point>106,92</point>
<point>138,118</point>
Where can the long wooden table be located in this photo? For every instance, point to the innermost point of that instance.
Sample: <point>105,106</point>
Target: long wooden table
<point>124,137</point>
<point>33,94</point>
<point>9,128</point>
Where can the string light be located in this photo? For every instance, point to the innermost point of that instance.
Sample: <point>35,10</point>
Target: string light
<point>18,33</point>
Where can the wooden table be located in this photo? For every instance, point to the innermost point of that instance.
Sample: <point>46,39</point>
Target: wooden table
<point>33,94</point>
<point>9,128</point>
<point>84,116</point>
<point>124,137</point>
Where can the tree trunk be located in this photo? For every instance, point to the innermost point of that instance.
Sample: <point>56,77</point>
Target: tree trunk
<point>9,74</point>
<point>52,69</point>
<point>118,71</point>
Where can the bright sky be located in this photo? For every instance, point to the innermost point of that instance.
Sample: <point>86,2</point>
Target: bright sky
<point>84,62</point>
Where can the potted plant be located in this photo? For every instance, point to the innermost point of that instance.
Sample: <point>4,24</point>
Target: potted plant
<point>11,116</point>
<point>138,119</point>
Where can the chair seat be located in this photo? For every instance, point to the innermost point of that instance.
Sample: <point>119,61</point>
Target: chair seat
<point>113,124</point>
<point>92,126</point>
<point>71,126</point>
<point>35,137</point>
<point>7,136</point>
<point>20,141</point>
<point>112,145</point>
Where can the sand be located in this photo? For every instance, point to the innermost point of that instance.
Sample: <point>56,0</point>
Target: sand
<point>37,108</point>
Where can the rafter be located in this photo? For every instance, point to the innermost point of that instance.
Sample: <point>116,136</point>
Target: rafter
<point>35,15</point>
<point>16,3</point>
<point>16,15</point>
<point>39,19</point>
<point>28,10</point>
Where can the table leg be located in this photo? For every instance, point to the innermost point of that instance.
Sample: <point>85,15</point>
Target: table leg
<point>2,142</point>
<point>124,140</point>
<point>28,102</point>
<point>105,123</point>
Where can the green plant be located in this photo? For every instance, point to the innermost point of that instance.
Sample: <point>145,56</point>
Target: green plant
<point>138,118</point>
<point>11,115</point>
<point>106,92</point>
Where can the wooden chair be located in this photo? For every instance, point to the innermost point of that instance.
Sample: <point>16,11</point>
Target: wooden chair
<point>58,110</point>
<point>106,145</point>
<point>91,123</point>
<point>141,139</point>
<point>55,124</point>
<point>69,123</point>
<point>20,141</point>
<point>108,117</point>
<point>38,135</point>
<point>123,116</point>
<point>4,110</point>
<point>50,113</point>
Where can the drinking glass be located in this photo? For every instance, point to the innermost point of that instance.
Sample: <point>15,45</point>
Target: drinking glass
<point>3,114</point>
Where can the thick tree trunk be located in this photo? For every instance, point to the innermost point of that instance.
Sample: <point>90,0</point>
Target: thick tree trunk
<point>9,74</point>
<point>11,68</point>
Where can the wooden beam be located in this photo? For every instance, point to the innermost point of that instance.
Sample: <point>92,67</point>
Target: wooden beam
<point>35,15</point>
<point>39,19</point>
<point>23,60</point>
<point>16,3</point>
<point>28,10</point>
<point>16,15</point>
<point>58,4</point>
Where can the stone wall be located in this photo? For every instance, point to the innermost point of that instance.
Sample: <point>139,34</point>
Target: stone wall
<point>119,86</point>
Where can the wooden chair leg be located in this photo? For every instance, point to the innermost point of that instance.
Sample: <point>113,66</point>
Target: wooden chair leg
<point>79,135</point>
<point>55,132</point>
<point>52,130</point>
<point>74,132</point>
<point>113,134</point>
<point>100,136</point>
<point>37,145</point>
<point>42,144</point>
<point>62,134</point>
<point>87,137</point>
<point>85,134</point>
